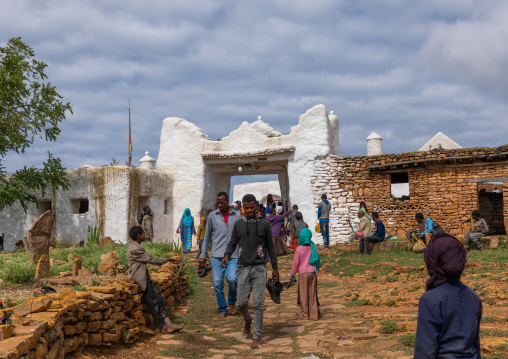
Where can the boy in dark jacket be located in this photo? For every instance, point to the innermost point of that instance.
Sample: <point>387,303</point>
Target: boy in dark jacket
<point>253,235</point>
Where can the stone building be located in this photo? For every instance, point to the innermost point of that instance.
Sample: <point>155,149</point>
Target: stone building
<point>445,185</point>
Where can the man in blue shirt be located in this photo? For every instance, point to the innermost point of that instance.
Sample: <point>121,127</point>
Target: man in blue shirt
<point>425,227</point>
<point>377,237</point>
<point>220,225</point>
<point>324,209</point>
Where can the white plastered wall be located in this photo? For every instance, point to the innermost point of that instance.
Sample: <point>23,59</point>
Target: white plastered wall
<point>197,179</point>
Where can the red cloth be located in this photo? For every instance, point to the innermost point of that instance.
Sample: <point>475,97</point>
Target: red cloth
<point>226,217</point>
<point>445,258</point>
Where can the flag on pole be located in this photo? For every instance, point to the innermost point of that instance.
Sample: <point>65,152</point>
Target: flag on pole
<point>130,138</point>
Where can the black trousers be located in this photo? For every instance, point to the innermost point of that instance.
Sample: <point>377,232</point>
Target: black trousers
<point>155,303</point>
<point>368,241</point>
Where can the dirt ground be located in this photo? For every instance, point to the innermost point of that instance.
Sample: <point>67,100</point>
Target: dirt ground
<point>370,309</point>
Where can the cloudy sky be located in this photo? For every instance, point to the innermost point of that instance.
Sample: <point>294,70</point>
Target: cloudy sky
<point>401,68</point>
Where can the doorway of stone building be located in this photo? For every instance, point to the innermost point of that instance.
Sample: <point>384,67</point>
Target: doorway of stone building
<point>260,186</point>
<point>490,203</point>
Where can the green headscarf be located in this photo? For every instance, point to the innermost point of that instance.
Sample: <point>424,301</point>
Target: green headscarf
<point>305,238</point>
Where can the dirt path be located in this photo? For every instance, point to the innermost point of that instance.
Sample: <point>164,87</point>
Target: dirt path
<point>371,314</point>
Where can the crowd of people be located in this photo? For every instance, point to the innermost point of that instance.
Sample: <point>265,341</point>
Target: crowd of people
<point>245,236</point>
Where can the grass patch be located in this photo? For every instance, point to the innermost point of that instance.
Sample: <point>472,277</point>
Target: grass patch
<point>408,339</point>
<point>494,332</point>
<point>488,319</point>
<point>19,270</point>
<point>389,326</point>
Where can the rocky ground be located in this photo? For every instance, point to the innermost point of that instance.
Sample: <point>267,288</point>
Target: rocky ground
<point>370,307</point>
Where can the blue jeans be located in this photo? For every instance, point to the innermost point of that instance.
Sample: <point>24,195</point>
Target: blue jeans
<point>325,231</point>
<point>218,281</point>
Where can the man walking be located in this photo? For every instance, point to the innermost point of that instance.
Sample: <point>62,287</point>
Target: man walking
<point>220,224</point>
<point>324,209</point>
<point>252,237</point>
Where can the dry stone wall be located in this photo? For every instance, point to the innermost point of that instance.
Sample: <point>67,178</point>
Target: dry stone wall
<point>443,186</point>
<point>54,325</point>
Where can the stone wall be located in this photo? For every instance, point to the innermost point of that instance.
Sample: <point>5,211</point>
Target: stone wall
<point>443,186</point>
<point>61,323</point>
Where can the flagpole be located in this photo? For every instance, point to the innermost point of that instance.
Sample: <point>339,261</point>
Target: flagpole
<point>130,139</point>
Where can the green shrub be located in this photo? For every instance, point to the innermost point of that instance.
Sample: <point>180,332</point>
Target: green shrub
<point>390,303</point>
<point>93,236</point>
<point>19,273</point>
<point>389,326</point>
<point>409,339</point>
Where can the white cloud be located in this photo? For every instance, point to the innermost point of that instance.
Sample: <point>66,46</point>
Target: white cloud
<point>403,69</point>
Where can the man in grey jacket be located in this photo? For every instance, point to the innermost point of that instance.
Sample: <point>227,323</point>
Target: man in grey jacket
<point>220,224</point>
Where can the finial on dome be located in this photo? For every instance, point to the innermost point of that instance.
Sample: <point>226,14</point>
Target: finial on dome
<point>259,118</point>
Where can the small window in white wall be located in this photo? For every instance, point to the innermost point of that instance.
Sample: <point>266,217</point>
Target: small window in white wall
<point>79,205</point>
<point>44,205</point>
<point>400,185</point>
<point>166,205</point>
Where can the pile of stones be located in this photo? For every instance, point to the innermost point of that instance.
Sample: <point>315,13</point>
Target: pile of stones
<point>56,324</point>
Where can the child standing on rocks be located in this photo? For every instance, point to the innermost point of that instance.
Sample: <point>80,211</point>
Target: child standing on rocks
<point>307,263</point>
<point>137,259</point>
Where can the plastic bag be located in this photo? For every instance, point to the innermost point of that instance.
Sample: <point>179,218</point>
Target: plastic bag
<point>318,228</point>
<point>419,246</point>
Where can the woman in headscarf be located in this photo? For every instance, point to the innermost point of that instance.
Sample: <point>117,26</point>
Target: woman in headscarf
<point>276,225</point>
<point>186,229</point>
<point>201,236</point>
<point>307,263</point>
<point>363,208</point>
<point>449,313</point>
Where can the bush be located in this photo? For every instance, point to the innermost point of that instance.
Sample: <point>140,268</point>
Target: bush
<point>389,326</point>
<point>409,339</point>
<point>19,273</point>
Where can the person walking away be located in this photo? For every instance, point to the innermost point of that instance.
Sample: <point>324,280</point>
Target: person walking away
<point>363,207</point>
<point>364,228</point>
<point>137,260</point>
<point>146,221</point>
<point>307,263</point>
<point>297,227</point>
<point>291,226</point>
<point>220,224</point>
<point>186,229</point>
<point>324,209</point>
<point>253,237</point>
<point>480,229</point>
<point>201,237</point>
<point>378,236</point>
<point>449,313</point>
<point>275,221</point>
